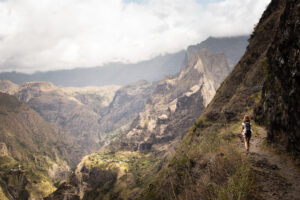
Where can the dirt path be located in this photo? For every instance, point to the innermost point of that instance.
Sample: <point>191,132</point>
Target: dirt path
<point>277,177</point>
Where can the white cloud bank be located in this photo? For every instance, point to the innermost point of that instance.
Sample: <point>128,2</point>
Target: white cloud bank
<point>62,34</point>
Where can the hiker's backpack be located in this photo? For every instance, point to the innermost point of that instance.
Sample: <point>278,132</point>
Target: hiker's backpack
<point>247,129</point>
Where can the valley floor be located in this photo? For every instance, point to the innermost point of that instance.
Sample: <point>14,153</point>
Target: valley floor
<point>276,176</point>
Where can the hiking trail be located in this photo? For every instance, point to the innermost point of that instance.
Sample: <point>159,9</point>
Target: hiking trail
<point>277,177</point>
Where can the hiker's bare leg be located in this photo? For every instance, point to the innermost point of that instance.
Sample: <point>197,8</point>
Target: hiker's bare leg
<point>246,141</point>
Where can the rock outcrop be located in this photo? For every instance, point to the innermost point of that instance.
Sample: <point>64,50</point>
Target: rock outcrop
<point>175,103</point>
<point>279,108</point>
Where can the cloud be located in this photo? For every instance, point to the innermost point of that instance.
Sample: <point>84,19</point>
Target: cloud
<point>56,34</point>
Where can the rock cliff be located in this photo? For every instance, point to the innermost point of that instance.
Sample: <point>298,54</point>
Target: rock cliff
<point>279,108</point>
<point>175,103</point>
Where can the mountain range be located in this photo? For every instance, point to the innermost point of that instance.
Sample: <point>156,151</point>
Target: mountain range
<point>122,74</point>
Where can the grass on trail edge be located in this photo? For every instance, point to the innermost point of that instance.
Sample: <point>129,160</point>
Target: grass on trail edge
<point>207,165</point>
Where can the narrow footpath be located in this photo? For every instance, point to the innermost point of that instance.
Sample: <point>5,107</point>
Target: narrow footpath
<point>277,177</point>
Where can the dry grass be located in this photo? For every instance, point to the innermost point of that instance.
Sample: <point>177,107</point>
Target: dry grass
<point>206,166</point>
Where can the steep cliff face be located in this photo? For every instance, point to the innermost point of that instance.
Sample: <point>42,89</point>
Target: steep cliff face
<point>33,154</point>
<point>175,103</point>
<point>209,163</point>
<point>279,108</point>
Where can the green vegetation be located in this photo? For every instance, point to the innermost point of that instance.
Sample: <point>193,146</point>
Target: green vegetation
<point>134,172</point>
<point>38,182</point>
<point>31,151</point>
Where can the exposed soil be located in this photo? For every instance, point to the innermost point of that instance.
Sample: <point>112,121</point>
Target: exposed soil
<point>276,176</point>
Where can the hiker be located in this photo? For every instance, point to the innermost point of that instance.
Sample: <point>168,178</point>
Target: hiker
<point>246,131</point>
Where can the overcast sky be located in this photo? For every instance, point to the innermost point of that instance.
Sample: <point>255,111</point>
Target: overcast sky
<point>63,34</point>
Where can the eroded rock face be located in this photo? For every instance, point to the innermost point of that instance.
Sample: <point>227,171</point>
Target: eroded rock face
<point>279,108</point>
<point>175,103</point>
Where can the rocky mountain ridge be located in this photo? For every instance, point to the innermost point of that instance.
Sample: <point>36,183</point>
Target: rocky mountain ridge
<point>232,47</point>
<point>176,102</point>
<point>122,74</point>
